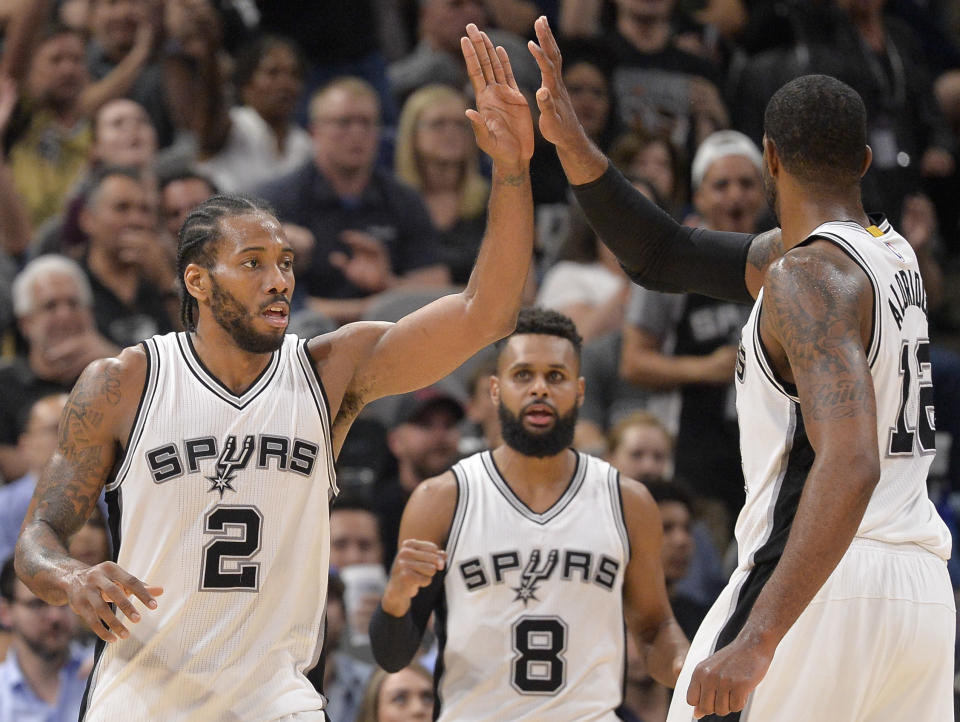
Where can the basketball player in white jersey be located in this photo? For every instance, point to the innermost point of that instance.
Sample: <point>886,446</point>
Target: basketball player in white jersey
<point>532,555</point>
<point>216,449</point>
<point>841,607</point>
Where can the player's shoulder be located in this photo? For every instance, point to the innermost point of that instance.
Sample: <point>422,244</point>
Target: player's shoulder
<point>430,509</point>
<point>635,495</point>
<point>818,268</point>
<point>441,490</point>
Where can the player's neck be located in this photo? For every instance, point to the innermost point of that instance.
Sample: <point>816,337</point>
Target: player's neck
<point>802,210</point>
<point>537,482</point>
<point>232,366</point>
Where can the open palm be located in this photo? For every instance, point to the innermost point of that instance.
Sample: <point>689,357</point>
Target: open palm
<point>502,122</point>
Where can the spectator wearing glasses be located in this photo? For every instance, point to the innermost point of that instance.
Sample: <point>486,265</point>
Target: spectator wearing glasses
<point>40,678</point>
<point>372,233</point>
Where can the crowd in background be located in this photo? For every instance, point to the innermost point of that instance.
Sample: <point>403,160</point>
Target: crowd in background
<point>119,116</point>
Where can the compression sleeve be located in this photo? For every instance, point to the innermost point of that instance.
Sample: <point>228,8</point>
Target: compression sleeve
<point>657,252</point>
<point>395,640</point>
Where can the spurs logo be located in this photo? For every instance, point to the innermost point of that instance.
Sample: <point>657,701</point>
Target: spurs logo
<point>231,461</point>
<point>533,574</point>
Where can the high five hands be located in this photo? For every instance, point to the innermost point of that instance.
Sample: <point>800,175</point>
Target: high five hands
<point>501,123</point>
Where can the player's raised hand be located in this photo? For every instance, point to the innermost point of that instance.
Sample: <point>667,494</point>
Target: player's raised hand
<point>558,120</point>
<point>502,122</point>
<point>91,590</point>
<point>413,568</point>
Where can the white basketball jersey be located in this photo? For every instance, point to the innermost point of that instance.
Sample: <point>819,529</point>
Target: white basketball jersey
<point>531,624</point>
<point>776,453</point>
<point>222,500</point>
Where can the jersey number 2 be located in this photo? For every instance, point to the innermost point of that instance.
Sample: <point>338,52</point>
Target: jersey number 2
<point>923,427</point>
<point>539,667</point>
<point>226,559</point>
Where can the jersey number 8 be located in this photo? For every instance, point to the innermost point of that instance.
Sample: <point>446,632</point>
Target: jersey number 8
<point>539,667</point>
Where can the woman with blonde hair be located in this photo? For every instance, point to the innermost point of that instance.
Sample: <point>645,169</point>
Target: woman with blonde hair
<point>404,696</point>
<point>437,155</point>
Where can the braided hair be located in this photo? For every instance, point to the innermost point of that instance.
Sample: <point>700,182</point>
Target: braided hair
<point>197,241</point>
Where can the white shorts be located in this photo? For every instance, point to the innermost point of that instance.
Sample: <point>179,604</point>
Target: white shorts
<point>875,644</point>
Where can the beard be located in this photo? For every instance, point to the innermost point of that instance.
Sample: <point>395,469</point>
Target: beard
<point>537,444</point>
<point>233,318</point>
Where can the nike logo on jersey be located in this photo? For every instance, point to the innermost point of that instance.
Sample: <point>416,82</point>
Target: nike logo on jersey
<point>173,460</point>
<point>574,565</point>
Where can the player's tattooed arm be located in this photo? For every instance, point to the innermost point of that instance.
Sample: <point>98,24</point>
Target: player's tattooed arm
<point>814,324</point>
<point>814,311</point>
<point>95,421</point>
<point>69,486</point>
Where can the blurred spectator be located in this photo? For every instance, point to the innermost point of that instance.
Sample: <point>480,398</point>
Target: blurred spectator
<point>344,678</point>
<point>644,699</point>
<point>437,155</point>
<point>48,138</point>
<point>611,398</point>
<point>689,342</point>
<point>404,696</point>
<point>653,158</point>
<point>658,86</point>
<point>180,193</point>
<point>641,448</point>
<point>372,233</point>
<point>356,541</point>
<point>36,445</point>
<point>587,70</point>
<point>676,512</point>
<point>482,414</point>
<point>53,305</point>
<point>129,269</point>
<point>40,678</point>
<point>123,135</point>
<point>254,142</point>
<point>882,59</point>
<point>338,38</point>
<point>437,58</point>
<point>587,283</point>
<point>424,439</point>
<point>123,38</point>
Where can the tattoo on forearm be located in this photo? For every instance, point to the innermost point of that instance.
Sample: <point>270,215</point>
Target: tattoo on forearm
<point>511,180</point>
<point>838,400</point>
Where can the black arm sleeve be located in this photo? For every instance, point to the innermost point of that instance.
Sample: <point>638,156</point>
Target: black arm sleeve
<point>395,640</point>
<point>657,252</point>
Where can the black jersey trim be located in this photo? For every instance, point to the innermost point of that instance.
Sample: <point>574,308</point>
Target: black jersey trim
<point>460,511</point>
<point>573,486</point>
<point>873,349</point>
<point>440,628</point>
<point>150,383</point>
<point>215,385</point>
<point>766,364</point>
<point>323,409</point>
<point>308,359</point>
<point>619,513</point>
<point>765,559</point>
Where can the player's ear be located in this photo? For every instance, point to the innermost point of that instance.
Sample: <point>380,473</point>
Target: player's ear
<point>494,390</point>
<point>196,278</point>
<point>771,158</point>
<point>581,387</point>
<point>867,160</point>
